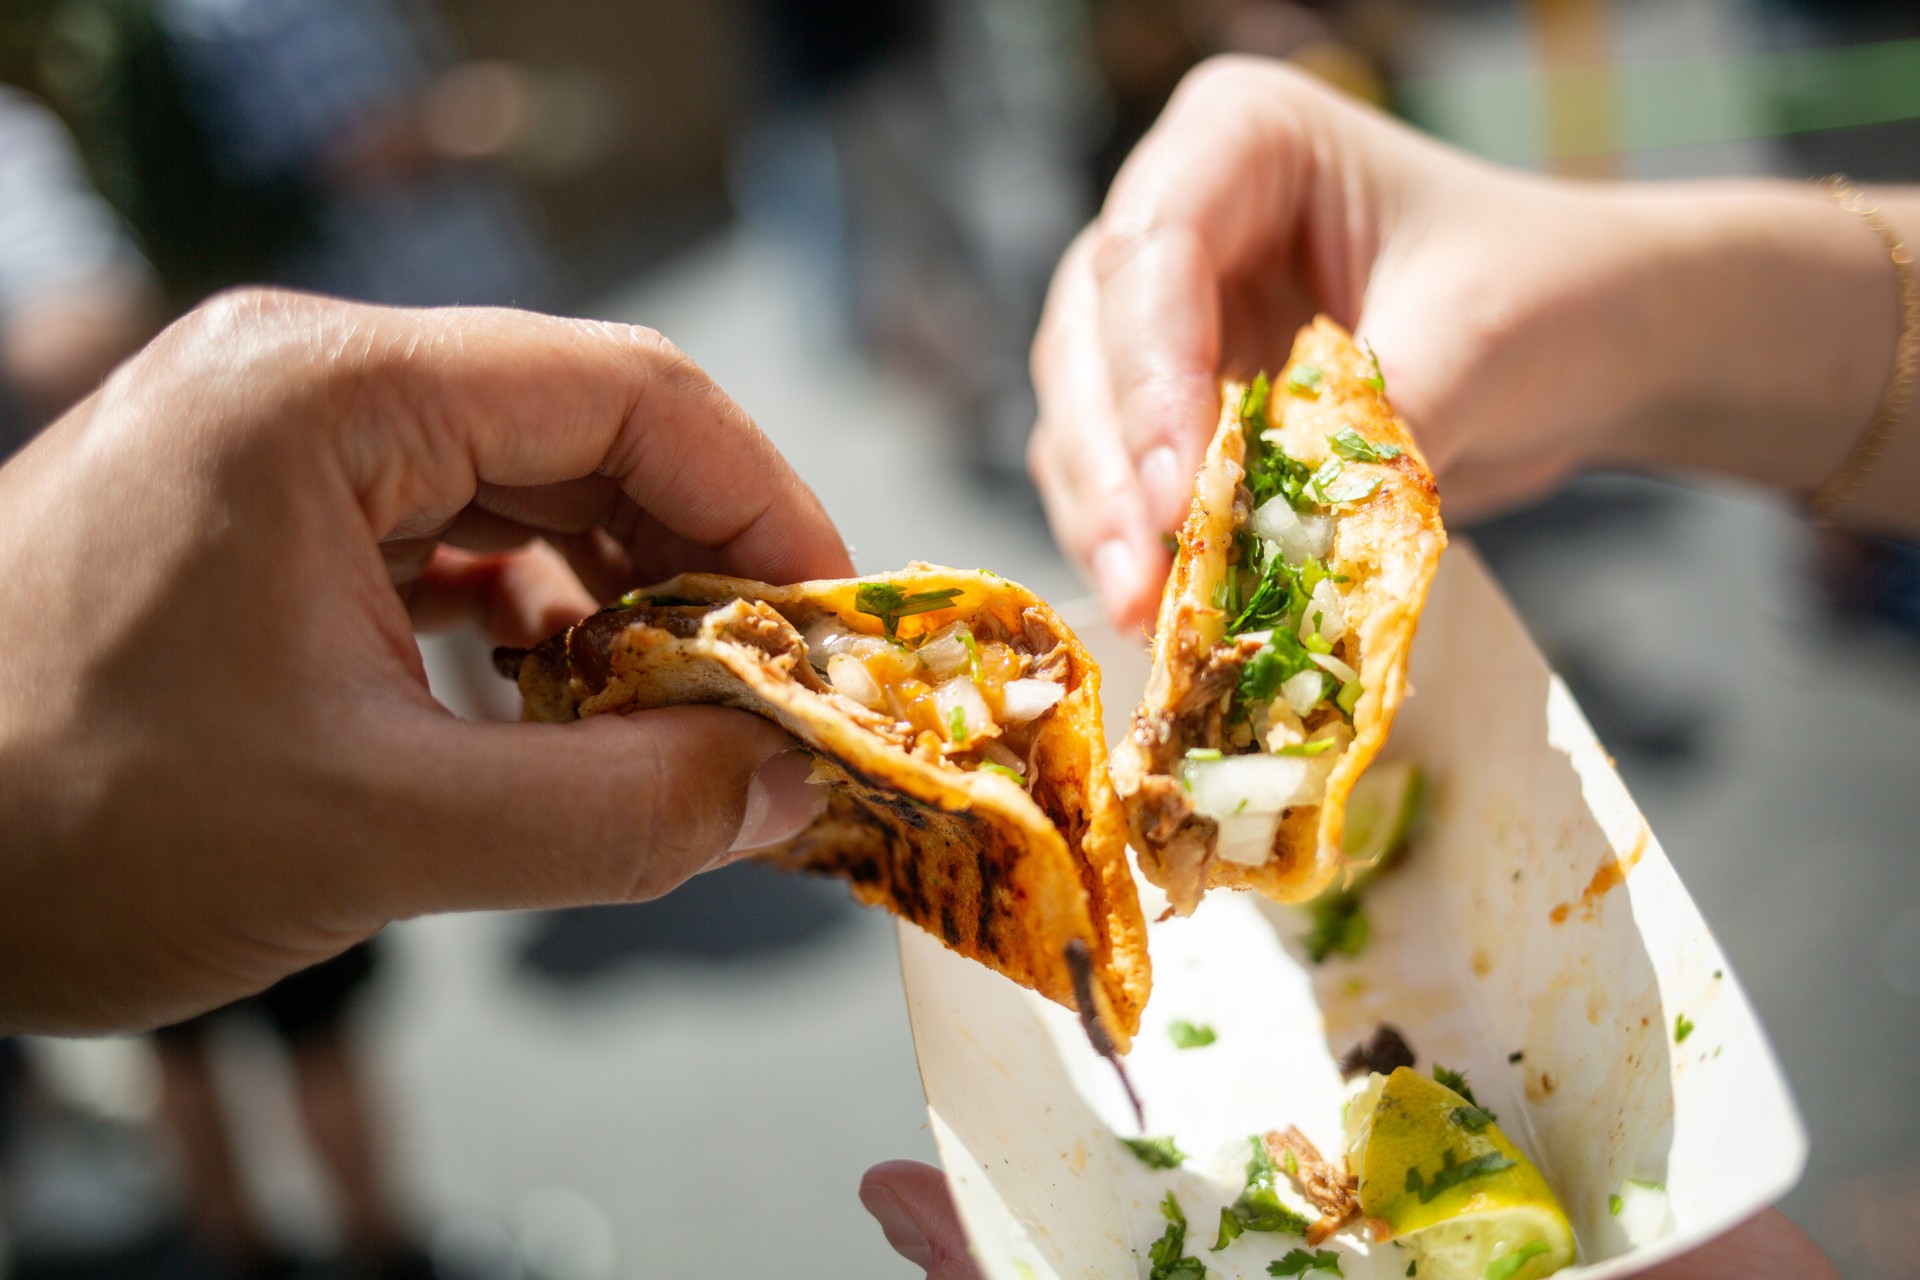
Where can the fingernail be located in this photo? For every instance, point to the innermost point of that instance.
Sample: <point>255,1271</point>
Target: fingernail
<point>1168,489</point>
<point>902,1232</point>
<point>1116,574</point>
<point>781,803</point>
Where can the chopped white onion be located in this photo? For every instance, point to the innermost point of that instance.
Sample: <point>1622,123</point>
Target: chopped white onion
<point>1340,670</point>
<point>996,753</point>
<point>1247,838</point>
<point>1245,795</point>
<point>961,692</point>
<point>848,675</point>
<point>1299,537</point>
<point>1025,699</point>
<point>1303,690</point>
<point>1283,726</point>
<point>945,653</point>
<point>1326,616</point>
<point>826,636</point>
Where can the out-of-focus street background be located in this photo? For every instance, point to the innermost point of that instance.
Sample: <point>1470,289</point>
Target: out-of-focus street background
<point>847,210</point>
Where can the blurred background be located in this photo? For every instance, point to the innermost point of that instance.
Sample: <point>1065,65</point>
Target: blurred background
<point>847,210</point>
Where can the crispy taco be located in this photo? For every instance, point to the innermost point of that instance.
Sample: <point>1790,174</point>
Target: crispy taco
<point>1280,654</point>
<point>955,721</point>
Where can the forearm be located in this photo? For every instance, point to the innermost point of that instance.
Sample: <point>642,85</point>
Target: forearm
<point>1773,315</point>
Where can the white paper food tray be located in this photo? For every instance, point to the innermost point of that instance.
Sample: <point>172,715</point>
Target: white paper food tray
<point>1508,929</point>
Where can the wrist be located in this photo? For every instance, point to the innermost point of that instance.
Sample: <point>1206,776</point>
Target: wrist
<point>1771,316</point>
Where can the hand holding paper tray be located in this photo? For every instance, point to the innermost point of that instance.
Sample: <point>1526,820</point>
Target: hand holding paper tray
<point>1536,938</point>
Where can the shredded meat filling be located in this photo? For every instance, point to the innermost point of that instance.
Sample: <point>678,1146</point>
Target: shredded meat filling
<point>1329,1188</point>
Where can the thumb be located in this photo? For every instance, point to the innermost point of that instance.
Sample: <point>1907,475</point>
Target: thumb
<point>911,1203</point>
<point>606,809</point>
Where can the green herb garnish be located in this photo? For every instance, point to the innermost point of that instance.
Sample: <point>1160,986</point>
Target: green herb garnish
<point>989,766</point>
<point>1516,1055</point>
<point>1413,1268</point>
<point>1170,543</point>
<point>1456,1081</point>
<point>1156,1153</point>
<point>1504,1267</point>
<point>1314,748</point>
<point>1298,1262</point>
<point>1276,662</point>
<point>973,652</point>
<point>1471,1118</point>
<point>1305,380</point>
<point>1259,1207</point>
<point>889,603</point>
<point>1354,489</point>
<point>1167,1254</point>
<point>1648,1184</point>
<point>956,724</point>
<point>1350,444</point>
<point>1615,1204</point>
<point>1378,381</point>
<point>1190,1035</point>
<point>1203,753</point>
<point>1349,697</point>
<point>1339,927</point>
<point>1454,1171</point>
<point>1682,1028</point>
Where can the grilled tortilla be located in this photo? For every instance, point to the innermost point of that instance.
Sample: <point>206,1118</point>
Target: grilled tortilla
<point>956,722</point>
<point>1280,654</point>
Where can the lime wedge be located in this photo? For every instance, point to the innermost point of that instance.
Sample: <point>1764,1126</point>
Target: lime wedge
<point>1381,811</point>
<point>1438,1176</point>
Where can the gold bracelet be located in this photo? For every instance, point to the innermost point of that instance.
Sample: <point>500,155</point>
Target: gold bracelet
<point>1827,500</point>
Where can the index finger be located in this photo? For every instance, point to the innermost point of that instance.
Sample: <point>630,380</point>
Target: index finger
<point>439,403</point>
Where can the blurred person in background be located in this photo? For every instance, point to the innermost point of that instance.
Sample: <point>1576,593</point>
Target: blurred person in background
<point>332,145</point>
<point>75,295</point>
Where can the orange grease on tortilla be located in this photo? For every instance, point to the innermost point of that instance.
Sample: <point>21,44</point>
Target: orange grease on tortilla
<point>1611,873</point>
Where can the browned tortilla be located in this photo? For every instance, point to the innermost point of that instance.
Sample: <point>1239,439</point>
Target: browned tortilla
<point>1388,545</point>
<point>1003,873</point>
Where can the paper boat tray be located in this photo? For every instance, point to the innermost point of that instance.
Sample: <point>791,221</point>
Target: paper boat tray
<point>1535,936</point>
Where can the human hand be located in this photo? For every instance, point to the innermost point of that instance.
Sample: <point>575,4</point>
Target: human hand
<point>1525,327</point>
<point>910,1202</point>
<point>219,760</point>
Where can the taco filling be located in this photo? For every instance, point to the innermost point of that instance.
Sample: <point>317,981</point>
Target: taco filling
<point>1280,653</point>
<point>954,723</point>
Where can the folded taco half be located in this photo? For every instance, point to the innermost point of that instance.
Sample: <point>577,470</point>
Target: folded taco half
<point>955,721</point>
<point>1280,654</point>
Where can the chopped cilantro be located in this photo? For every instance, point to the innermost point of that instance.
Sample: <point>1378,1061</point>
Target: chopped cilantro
<point>1253,404</point>
<point>1378,381</point>
<point>889,603</point>
<point>1315,642</point>
<point>1156,1153</point>
<point>1615,1204</point>
<point>989,766</point>
<point>1647,1183</point>
<point>1504,1267</point>
<point>973,652</point>
<point>1355,489</point>
<point>1290,1163</point>
<point>956,724</point>
<point>1454,1171</point>
<point>1203,753</point>
<point>1682,1028</point>
<point>1471,1118</point>
<point>1718,974</point>
<point>1350,444</point>
<point>1279,660</point>
<point>1298,1262</point>
<point>1305,380</point>
<point>1456,1081</point>
<point>1339,927</point>
<point>1190,1035</point>
<point>1413,1267</point>
<point>1314,748</point>
<point>1327,473</point>
<point>1516,1055</point>
<point>1167,1254</point>
<point>1259,1207</point>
